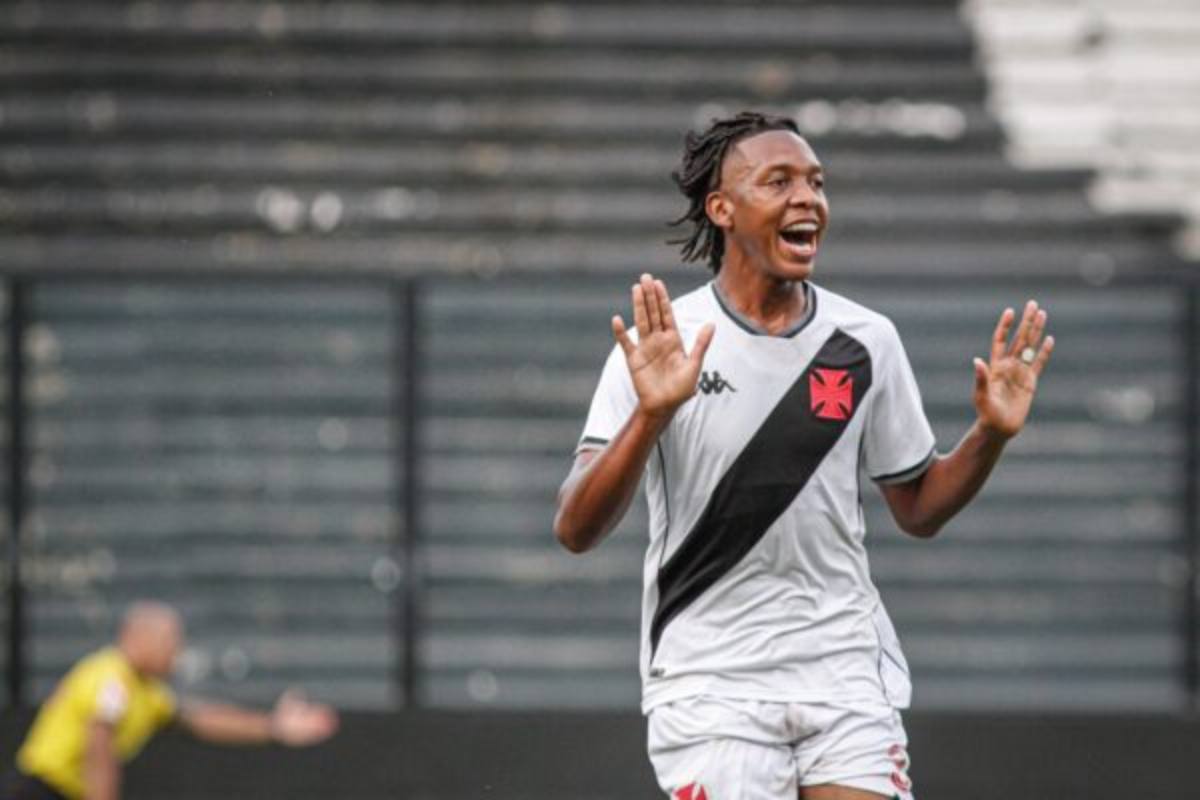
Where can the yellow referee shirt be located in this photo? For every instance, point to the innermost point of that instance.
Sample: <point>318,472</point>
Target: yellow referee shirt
<point>104,687</point>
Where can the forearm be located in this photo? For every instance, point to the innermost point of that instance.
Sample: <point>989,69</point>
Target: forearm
<point>226,724</point>
<point>595,497</point>
<point>950,482</point>
<point>102,781</point>
<point>101,770</point>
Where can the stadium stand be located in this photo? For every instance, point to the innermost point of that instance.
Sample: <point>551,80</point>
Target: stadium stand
<point>1102,85</point>
<point>227,449</point>
<point>233,446</point>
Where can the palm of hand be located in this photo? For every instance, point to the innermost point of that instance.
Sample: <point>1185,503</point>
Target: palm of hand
<point>298,722</point>
<point>1006,384</point>
<point>664,375</point>
<point>1004,405</point>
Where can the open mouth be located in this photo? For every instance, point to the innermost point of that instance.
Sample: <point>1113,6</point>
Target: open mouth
<point>800,238</point>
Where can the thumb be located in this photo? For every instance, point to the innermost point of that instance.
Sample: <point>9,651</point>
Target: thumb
<point>291,695</point>
<point>289,700</point>
<point>700,346</point>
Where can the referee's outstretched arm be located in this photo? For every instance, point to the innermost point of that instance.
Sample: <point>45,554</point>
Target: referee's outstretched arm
<point>115,699</point>
<point>293,722</point>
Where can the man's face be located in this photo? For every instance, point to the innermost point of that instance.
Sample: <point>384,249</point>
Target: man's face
<point>771,204</point>
<point>165,650</point>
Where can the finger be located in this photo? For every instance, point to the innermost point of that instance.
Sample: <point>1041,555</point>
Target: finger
<point>700,346</point>
<point>641,319</point>
<point>621,335</point>
<point>1039,327</point>
<point>1021,338</point>
<point>664,305</point>
<point>1043,355</point>
<point>981,376</point>
<point>653,312</point>
<point>1000,335</point>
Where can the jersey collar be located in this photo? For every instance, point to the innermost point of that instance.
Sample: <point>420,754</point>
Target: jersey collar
<point>753,328</point>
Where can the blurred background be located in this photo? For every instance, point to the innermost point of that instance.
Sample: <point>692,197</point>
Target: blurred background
<point>304,303</point>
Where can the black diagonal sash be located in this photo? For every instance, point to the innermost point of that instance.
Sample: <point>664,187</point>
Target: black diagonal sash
<point>765,478</point>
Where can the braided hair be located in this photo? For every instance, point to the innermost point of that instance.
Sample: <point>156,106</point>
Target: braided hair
<point>700,173</point>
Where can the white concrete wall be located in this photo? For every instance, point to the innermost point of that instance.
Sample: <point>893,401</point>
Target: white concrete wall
<point>1107,84</point>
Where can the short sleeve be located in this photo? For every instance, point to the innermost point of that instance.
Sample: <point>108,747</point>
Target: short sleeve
<point>99,694</point>
<point>111,700</point>
<point>612,404</point>
<point>898,441</point>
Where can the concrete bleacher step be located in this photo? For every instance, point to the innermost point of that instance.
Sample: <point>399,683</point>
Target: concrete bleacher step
<point>383,116</point>
<point>546,253</point>
<point>621,213</point>
<point>405,173</point>
<point>418,171</point>
<point>490,71</point>
<point>921,28</point>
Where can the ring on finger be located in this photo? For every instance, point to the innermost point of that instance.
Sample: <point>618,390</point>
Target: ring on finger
<point>1028,355</point>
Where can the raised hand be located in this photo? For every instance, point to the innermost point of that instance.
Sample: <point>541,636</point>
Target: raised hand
<point>1005,385</point>
<point>664,376</point>
<point>296,722</point>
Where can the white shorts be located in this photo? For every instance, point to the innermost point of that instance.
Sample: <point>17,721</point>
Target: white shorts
<point>709,748</point>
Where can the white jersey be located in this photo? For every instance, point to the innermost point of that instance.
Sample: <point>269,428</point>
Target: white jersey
<point>756,578</point>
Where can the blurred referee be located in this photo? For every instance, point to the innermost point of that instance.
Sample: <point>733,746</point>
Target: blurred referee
<point>114,700</point>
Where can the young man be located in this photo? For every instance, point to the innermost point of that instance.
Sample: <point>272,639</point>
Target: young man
<point>111,703</point>
<point>770,669</point>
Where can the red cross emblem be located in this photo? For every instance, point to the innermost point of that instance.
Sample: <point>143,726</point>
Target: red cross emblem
<point>832,393</point>
<point>693,791</point>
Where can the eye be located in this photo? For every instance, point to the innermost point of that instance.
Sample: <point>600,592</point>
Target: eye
<point>818,181</point>
<point>779,181</point>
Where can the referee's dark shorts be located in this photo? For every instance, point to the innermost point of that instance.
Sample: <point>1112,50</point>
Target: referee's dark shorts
<point>19,786</point>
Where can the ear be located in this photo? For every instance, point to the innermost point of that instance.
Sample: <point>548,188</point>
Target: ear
<point>719,209</point>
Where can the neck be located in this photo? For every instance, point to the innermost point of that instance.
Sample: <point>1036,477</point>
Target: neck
<point>132,658</point>
<point>776,304</point>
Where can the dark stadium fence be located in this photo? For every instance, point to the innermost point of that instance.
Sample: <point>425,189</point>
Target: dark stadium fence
<point>406,296</point>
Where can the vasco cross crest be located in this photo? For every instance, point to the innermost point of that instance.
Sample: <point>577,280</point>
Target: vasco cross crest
<point>832,393</point>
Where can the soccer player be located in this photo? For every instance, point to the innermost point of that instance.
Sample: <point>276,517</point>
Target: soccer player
<point>770,669</point>
<point>111,703</point>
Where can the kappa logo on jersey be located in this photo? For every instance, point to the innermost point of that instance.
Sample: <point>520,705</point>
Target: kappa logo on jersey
<point>693,791</point>
<point>714,384</point>
<point>832,393</point>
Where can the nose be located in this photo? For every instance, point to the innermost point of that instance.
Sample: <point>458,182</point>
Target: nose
<point>803,195</point>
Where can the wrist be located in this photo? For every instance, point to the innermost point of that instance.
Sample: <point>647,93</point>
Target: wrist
<point>655,421</point>
<point>991,434</point>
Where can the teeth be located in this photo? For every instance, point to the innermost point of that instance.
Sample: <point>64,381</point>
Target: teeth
<point>801,227</point>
